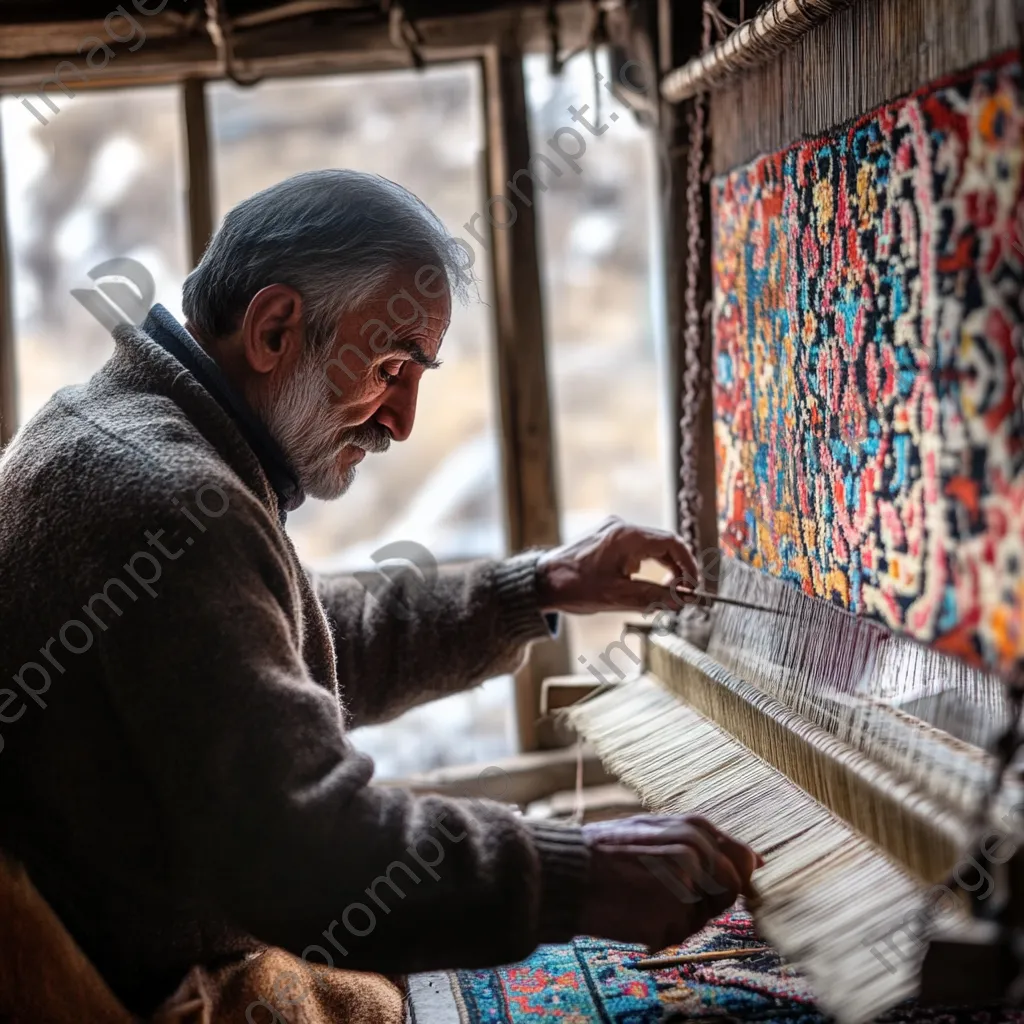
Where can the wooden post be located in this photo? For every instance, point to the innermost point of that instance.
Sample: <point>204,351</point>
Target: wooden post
<point>528,450</point>
<point>8,377</point>
<point>679,32</point>
<point>197,154</point>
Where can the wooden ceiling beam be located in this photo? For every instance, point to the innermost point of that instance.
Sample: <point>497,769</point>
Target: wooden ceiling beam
<point>178,47</point>
<point>74,39</point>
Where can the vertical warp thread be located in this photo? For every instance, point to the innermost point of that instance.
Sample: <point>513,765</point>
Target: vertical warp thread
<point>849,675</point>
<point>824,889</point>
<point>578,809</point>
<point>862,56</point>
<point>689,491</point>
<point>752,43</point>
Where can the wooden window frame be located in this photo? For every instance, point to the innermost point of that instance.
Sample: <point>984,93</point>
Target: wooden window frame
<point>198,166</point>
<point>533,512</point>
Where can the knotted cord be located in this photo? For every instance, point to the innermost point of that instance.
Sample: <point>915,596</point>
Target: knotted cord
<point>693,372</point>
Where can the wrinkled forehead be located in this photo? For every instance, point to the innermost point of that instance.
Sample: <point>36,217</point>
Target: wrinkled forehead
<point>418,294</point>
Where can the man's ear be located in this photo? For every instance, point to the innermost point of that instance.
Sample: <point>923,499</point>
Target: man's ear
<point>273,329</point>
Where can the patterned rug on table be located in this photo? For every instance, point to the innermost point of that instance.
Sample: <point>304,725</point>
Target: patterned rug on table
<point>591,980</point>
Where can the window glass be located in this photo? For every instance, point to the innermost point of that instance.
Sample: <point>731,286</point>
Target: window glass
<point>476,727</point>
<point>599,246</point>
<point>101,180</point>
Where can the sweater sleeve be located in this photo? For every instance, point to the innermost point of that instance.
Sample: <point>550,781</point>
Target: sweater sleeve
<point>407,639</point>
<point>269,808</point>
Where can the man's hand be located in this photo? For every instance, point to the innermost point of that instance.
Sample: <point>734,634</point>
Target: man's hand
<point>594,574</point>
<point>656,880</point>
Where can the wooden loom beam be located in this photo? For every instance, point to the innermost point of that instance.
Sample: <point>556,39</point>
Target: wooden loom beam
<point>839,777</point>
<point>846,65</point>
<point>753,43</point>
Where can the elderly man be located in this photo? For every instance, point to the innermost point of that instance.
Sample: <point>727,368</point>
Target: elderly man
<point>176,772</point>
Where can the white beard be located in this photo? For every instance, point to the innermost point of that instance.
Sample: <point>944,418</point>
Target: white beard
<point>296,413</point>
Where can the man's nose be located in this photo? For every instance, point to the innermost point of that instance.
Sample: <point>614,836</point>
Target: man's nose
<point>398,410</point>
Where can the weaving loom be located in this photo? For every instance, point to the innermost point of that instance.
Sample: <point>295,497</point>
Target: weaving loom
<point>858,724</point>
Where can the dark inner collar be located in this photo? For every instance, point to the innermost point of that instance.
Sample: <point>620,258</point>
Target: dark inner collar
<point>172,336</point>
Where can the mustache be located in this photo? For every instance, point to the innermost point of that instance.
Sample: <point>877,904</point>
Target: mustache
<point>371,437</point>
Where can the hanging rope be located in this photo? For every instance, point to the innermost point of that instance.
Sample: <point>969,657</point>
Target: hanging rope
<point>598,35</point>
<point>693,371</point>
<point>723,25</point>
<point>403,33</point>
<point>554,43</point>
<point>218,26</point>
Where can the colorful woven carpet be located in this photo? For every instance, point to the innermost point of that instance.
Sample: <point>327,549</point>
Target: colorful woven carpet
<point>593,981</point>
<point>869,364</point>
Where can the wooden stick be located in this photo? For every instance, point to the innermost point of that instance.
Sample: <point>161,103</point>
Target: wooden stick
<point>700,596</point>
<point>658,962</point>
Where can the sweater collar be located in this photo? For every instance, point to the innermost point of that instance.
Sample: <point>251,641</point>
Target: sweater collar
<point>173,338</point>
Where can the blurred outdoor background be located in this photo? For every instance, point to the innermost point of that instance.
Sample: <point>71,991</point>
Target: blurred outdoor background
<point>102,180</point>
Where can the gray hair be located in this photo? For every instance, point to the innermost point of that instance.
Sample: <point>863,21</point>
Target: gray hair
<point>335,236</point>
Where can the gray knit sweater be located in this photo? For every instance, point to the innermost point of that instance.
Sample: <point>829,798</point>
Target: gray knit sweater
<point>175,770</point>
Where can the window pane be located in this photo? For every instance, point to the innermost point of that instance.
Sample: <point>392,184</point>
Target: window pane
<point>442,487</point>
<point>101,180</point>
<point>472,727</point>
<point>599,239</point>
<point>424,131</point>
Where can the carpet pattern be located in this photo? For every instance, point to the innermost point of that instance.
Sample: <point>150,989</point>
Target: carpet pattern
<point>591,980</point>
<point>869,364</point>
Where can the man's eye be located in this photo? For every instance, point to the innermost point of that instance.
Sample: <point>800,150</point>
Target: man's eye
<point>389,372</point>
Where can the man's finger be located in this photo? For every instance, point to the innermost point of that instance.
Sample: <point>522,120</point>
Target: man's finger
<point>692,882</point>
<point>708,872</point>
<point>670,550</point>
<point>745,860</point>
<point>701,840</point>
<point>718,871</point>
<point>640,544</point>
